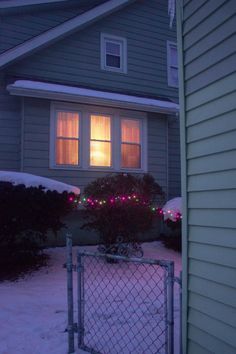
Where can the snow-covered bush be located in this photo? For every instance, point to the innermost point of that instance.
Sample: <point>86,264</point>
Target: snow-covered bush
<point>119,205</point>
<point>26,215</point>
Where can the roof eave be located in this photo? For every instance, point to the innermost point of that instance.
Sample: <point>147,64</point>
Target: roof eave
<point>66,28</point>
<point>5,4</point>
<point>99,101</point>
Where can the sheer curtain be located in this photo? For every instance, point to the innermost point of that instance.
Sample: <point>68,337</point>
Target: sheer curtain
<point>100,140</point>
<point>67,138</point>
<point>130,143</point>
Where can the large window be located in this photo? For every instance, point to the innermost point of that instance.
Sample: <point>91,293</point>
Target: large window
<point>113,53</point>
<point>172,64</point>
<point>104,139</point>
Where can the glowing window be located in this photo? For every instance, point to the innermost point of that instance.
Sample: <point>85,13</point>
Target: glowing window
<point>130,143</point>
<point>67,138</point>
<point>108,140</point>
<point>100,141</point>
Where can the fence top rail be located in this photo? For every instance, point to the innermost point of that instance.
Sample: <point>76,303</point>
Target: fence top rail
<point>163,263</point>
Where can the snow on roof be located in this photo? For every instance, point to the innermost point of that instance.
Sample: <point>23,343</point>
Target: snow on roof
<point>172,209</point>
<point>40,87</point>
<point>30,180</point>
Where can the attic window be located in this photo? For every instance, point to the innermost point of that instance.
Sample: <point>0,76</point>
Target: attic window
<point>113,53</point>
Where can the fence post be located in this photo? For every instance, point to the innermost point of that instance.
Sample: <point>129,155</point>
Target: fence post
<point>170,307</point>
<point>80,301</point>
<point>69,267</point>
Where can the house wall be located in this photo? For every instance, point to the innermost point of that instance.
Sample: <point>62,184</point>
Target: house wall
<point>174,175</point>
<point>76,61</point>
<point>208,129</point>
<point>10,129</point>
<point>19,25</point>
<point>36,137</point>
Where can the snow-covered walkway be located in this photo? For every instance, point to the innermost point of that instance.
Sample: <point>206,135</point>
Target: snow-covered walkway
<point>33,310</point>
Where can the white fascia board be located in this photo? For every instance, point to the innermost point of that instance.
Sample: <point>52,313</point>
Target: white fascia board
<point>81,95</point>
<point>62,30</point>
<point>6,4</point>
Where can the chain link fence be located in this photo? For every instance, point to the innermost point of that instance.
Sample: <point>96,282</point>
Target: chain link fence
<point>125,305</point>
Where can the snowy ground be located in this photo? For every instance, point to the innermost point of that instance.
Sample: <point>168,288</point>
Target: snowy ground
<point>33,310</point>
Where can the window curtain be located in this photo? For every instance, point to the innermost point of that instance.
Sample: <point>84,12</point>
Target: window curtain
<point>67,140</point>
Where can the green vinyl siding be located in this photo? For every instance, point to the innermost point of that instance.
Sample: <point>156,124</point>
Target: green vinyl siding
<point>173,157</point>
<point>36,140</point>
<point>209,133</point>
<point>75,60</point>
<point>10,129</point>
<point>24,24</point>
<point>213,342</point>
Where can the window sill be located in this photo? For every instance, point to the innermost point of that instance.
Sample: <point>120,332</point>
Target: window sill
<point>99,169</point>
<point>114,70</point>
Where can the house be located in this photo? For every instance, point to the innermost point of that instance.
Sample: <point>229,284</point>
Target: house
<point>88,88</point>
<point>207,64</point>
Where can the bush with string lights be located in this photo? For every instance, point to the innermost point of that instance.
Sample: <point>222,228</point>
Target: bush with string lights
<point>121,206</point>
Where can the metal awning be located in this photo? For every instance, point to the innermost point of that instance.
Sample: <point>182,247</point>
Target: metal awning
<point>88,96</point>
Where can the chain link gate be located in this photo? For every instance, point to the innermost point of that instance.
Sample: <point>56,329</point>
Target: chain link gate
<point>124,305</point>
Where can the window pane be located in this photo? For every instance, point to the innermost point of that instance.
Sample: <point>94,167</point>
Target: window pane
<point>67,152</point>
<point>112,61</point>
<point>173,56</point>
<point>113,48</point>
<point>174,76</point>
<point>130,156</point>
<point>130,131</point>
<point>100,127</point>
<point>68,124</point>
<point>100,153</point>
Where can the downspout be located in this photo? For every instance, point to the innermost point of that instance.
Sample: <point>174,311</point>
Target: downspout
<point>179,15</point>
<point>22,134</point>
<point>167,159</point>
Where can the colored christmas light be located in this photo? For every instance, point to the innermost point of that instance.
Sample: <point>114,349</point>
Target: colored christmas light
<point>138,200</point>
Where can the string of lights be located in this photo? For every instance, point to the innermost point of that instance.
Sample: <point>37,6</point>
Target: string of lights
<point>120,199</point>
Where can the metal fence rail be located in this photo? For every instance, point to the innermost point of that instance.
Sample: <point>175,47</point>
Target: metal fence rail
<point>125,305</point>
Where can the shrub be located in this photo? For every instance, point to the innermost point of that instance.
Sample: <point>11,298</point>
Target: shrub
<point>26,215</point>
<point>119,205</point>
<point>173,239</point>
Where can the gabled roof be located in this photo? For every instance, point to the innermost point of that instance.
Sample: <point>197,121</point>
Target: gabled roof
<point>5,4</point>
<point>66,28</point>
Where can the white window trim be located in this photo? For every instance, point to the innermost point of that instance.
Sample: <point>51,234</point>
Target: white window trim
<point>170,44</point>
<point>84,137</point>
<point>123,52</point>
<point>55,107</point>
<point>142,141</point>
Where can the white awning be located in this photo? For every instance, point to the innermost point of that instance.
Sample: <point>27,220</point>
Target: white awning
<point>87,96</point>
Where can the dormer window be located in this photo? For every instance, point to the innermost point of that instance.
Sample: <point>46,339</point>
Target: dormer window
<point>113,53</point>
